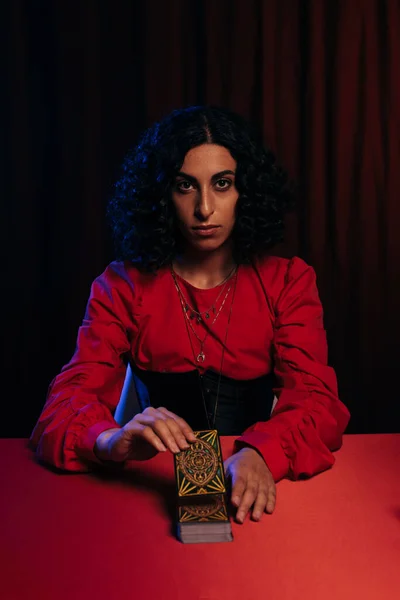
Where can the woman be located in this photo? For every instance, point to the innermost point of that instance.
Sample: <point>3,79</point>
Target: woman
<point>210,322</point>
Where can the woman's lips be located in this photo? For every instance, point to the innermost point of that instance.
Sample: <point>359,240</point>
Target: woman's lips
<point>205,231</point>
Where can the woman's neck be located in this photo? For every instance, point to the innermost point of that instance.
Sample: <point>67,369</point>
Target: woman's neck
<point>205,269</point>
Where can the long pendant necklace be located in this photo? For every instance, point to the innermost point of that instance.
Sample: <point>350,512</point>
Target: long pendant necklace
<point>211,425</point>
<point>200,356</point>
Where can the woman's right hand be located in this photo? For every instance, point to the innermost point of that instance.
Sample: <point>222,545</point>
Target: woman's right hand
<point>149,432</point>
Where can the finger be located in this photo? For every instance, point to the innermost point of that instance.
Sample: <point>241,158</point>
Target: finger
<point>247,501</point>
<point>185,427</point>
<point>238,489</point>
<point>150,436</point>
<point>260,504</point>
<point>180,440</point>
<point>161,430</point>
<point>175,424</point>
<point>271,500</point>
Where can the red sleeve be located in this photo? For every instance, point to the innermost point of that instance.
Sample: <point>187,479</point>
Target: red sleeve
<point>82,398</point>
<point>308,420</point>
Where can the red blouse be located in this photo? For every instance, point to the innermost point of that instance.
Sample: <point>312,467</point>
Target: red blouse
<point>276,325</point>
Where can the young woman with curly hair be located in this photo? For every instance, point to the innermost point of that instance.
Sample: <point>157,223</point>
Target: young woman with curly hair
<point>215,330</point>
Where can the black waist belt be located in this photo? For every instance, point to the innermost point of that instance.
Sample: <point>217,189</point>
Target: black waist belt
<point>193,397</point>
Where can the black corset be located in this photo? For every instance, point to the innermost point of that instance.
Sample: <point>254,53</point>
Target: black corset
<point>192,396</point>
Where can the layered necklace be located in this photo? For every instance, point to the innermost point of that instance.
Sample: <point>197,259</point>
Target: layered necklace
<point>190,314</point>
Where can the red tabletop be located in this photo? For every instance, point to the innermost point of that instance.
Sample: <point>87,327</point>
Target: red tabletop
<point>89,536</point>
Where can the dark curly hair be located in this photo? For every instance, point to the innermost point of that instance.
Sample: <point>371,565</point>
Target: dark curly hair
<point>141,212</point>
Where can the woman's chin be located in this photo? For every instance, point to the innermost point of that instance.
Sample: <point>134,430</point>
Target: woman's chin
<point>206,245</point>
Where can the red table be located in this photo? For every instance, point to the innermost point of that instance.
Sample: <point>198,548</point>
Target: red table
<point>64,536</point>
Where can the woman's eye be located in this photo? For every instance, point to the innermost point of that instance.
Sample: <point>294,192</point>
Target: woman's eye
<point>223,184</point>
<point>183,186</point>
<point>187,186</point>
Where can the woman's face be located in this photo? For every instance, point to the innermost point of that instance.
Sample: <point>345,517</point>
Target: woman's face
<point>205,197</point>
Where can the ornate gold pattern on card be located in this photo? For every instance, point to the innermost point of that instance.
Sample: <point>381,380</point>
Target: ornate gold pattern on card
<point>200,464</point>
<point>199,470</point>
<point>212,510</point>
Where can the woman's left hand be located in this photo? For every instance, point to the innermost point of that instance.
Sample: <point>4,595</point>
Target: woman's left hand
<point>252,484</point>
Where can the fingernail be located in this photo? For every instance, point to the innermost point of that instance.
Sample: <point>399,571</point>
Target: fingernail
<point>235,499</point>
<point>175,448</point>
<point>162,448</point>
<point>257,516</point>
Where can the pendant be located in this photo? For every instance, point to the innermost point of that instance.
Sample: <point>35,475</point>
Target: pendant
<point>199,319</point>
<point>207,315</point>
<point>200,357</point>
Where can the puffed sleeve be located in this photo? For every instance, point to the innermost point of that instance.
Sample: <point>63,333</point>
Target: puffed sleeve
<point>308,420</point>
<point>82,399</point>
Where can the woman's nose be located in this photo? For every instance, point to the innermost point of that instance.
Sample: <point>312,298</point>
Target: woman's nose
<point>205,205</point>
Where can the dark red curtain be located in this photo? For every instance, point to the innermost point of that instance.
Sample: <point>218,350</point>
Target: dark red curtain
<point>81,81</point>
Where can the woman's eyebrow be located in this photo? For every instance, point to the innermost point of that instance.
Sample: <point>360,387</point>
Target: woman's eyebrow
<point>213,178</point>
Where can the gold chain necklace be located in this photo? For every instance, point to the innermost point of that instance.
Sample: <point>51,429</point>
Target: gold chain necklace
<point>200,356</point>
<point>212,309</point>
<point>210,425</point>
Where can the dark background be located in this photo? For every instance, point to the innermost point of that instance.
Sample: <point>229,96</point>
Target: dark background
<point>83,79</point>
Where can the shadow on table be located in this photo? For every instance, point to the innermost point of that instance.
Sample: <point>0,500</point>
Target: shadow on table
<point>396,512</point>
<point>139,478</point>
<point>136,478</point>
<point>157,483</point>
